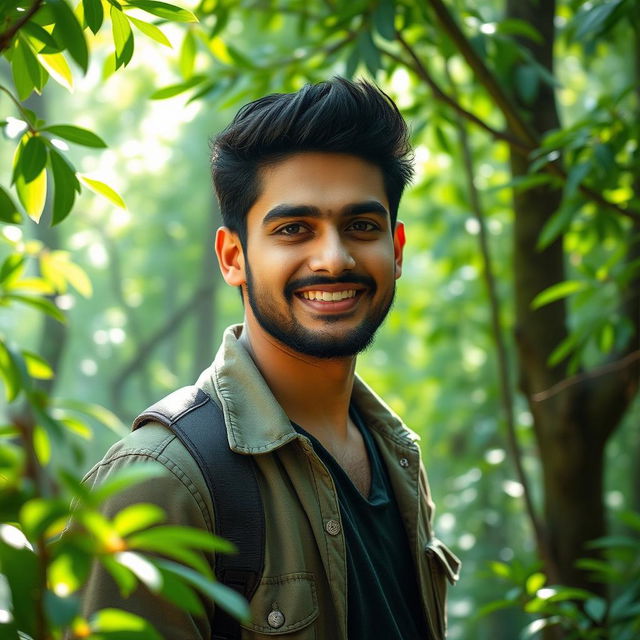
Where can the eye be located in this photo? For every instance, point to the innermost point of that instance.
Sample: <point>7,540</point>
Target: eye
<point>363,225</point>
<point>291,229</point>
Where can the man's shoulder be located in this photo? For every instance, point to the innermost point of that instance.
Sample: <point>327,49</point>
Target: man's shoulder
<point>177,484</point>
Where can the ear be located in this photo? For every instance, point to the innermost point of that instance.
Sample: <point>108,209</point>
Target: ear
<point>399,241</point>
<point>230,257</point>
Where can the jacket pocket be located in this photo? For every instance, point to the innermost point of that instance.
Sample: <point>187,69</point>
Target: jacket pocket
<point>443,566</point>
<point>284,605</point>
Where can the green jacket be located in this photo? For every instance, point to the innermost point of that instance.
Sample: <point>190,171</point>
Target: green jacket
<point>305,569</point>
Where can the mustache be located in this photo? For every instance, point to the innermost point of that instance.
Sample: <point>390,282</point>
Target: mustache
<point>311,281</point>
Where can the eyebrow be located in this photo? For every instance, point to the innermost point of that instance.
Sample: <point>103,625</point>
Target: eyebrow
<point>309,211</point>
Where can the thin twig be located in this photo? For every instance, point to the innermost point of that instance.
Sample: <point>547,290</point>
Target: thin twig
<point>7,36</point>
<point>18,104</point>
<point>604,370</point>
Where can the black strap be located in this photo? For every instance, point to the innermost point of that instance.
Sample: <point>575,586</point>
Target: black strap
<point>232,480</point>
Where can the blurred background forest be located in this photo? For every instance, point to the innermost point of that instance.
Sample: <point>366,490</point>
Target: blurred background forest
<point>513,345</point>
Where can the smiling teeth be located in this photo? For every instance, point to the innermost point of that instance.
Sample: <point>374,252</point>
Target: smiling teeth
<point>329,296</point>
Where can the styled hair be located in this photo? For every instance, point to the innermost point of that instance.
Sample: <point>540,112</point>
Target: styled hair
<point>337,116</point>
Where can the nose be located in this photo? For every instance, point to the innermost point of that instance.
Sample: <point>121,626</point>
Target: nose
<point>331,254</point>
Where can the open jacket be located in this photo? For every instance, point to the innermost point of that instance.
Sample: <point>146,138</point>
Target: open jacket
<point>305,570</point>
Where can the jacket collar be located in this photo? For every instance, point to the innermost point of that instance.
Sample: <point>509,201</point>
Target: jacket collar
<point>256,422</point>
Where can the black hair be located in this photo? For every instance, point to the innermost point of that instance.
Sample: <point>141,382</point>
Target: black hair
<point>337,115</point>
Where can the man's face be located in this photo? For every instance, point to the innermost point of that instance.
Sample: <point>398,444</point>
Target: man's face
<point>321,257</point>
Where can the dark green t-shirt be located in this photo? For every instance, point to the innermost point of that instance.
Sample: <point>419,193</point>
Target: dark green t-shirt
<point>382,591</point>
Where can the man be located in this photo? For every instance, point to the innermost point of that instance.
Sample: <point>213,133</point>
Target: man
<point>309,185</point>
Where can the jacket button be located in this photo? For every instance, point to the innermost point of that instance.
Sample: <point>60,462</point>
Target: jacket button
<point>404,463</point>
<point>275,619</point>
<point>332,527</point>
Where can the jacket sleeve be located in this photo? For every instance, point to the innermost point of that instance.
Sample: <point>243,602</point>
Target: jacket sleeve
<point>180,496</point>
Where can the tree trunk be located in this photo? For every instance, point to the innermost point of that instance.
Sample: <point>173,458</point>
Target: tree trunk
<point>573,424</point>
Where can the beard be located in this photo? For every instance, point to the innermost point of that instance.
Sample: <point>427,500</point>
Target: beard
<point>280,323</point>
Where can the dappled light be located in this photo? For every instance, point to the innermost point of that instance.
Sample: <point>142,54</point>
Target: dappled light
<point>512,346</point>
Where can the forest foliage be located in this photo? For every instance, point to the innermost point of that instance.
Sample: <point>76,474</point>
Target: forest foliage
<point>513,347</point>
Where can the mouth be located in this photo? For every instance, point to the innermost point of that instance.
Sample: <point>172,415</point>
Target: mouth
<point>329,299</point>
<point>328,296</point>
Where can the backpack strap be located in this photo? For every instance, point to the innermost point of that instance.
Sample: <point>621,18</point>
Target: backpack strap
<point>199,424</point>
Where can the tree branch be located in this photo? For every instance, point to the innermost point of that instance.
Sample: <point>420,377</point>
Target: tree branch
<point>422,72</point>
<point>146,348</point>
<point>610,367</point>
<point>527,138</point>
<point>7,36</point>
<point>484,75</point>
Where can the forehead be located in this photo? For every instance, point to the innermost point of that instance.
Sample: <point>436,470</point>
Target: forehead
<point>328,181</point>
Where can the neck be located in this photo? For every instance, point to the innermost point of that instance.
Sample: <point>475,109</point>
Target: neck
<point>314,392</point>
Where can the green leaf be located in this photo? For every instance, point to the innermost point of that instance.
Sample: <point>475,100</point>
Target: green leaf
<point>122,37</point>
<point>527,82</point>
<point>513,26</point>
<point>8,209</point>
<point>57,268</point>
<point>38,514</point>
<point>76,134</point>
<point>37,366</point>
<point>494,605</point>
<point>102,415</point>
<point>383,19</point>
<point>176,89</point>
<point>631,519</point>
<point>115,624</point>
<point>123,576</point>
<point>127,477</point>
<point>151,31</point>
<point>164,10</point>
<point>93,14</point>
<point>136,517</point>
<point>558,223</point>
<point>20,565</point>
<point>36,32</point>
<point>592,20</point>
<point>33,158</point>
<point>58,67</point>
<point>60,610</point>
<point>41,304</point>
<point>228,599</point>
<point>35,71</point>
<point>187,55</point>
<point>33,195</point>
<point>558,291</point>
<point>369,53</point>
<point>576,175</point>
<point>145,570</point>
<point>65,185</point>
<point>596,608</point>
<point>12,267</point>
<point>171,535</point>
<point>534,582</point>
<point>10,372</point>
<point>562,351</point>
<point>179,553</point>
<point>68,32</point>
<point>500,569</point>
<point>174,590</point>
<point>569,593</point>
<point>104,190</point>
<point>26,74</point>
